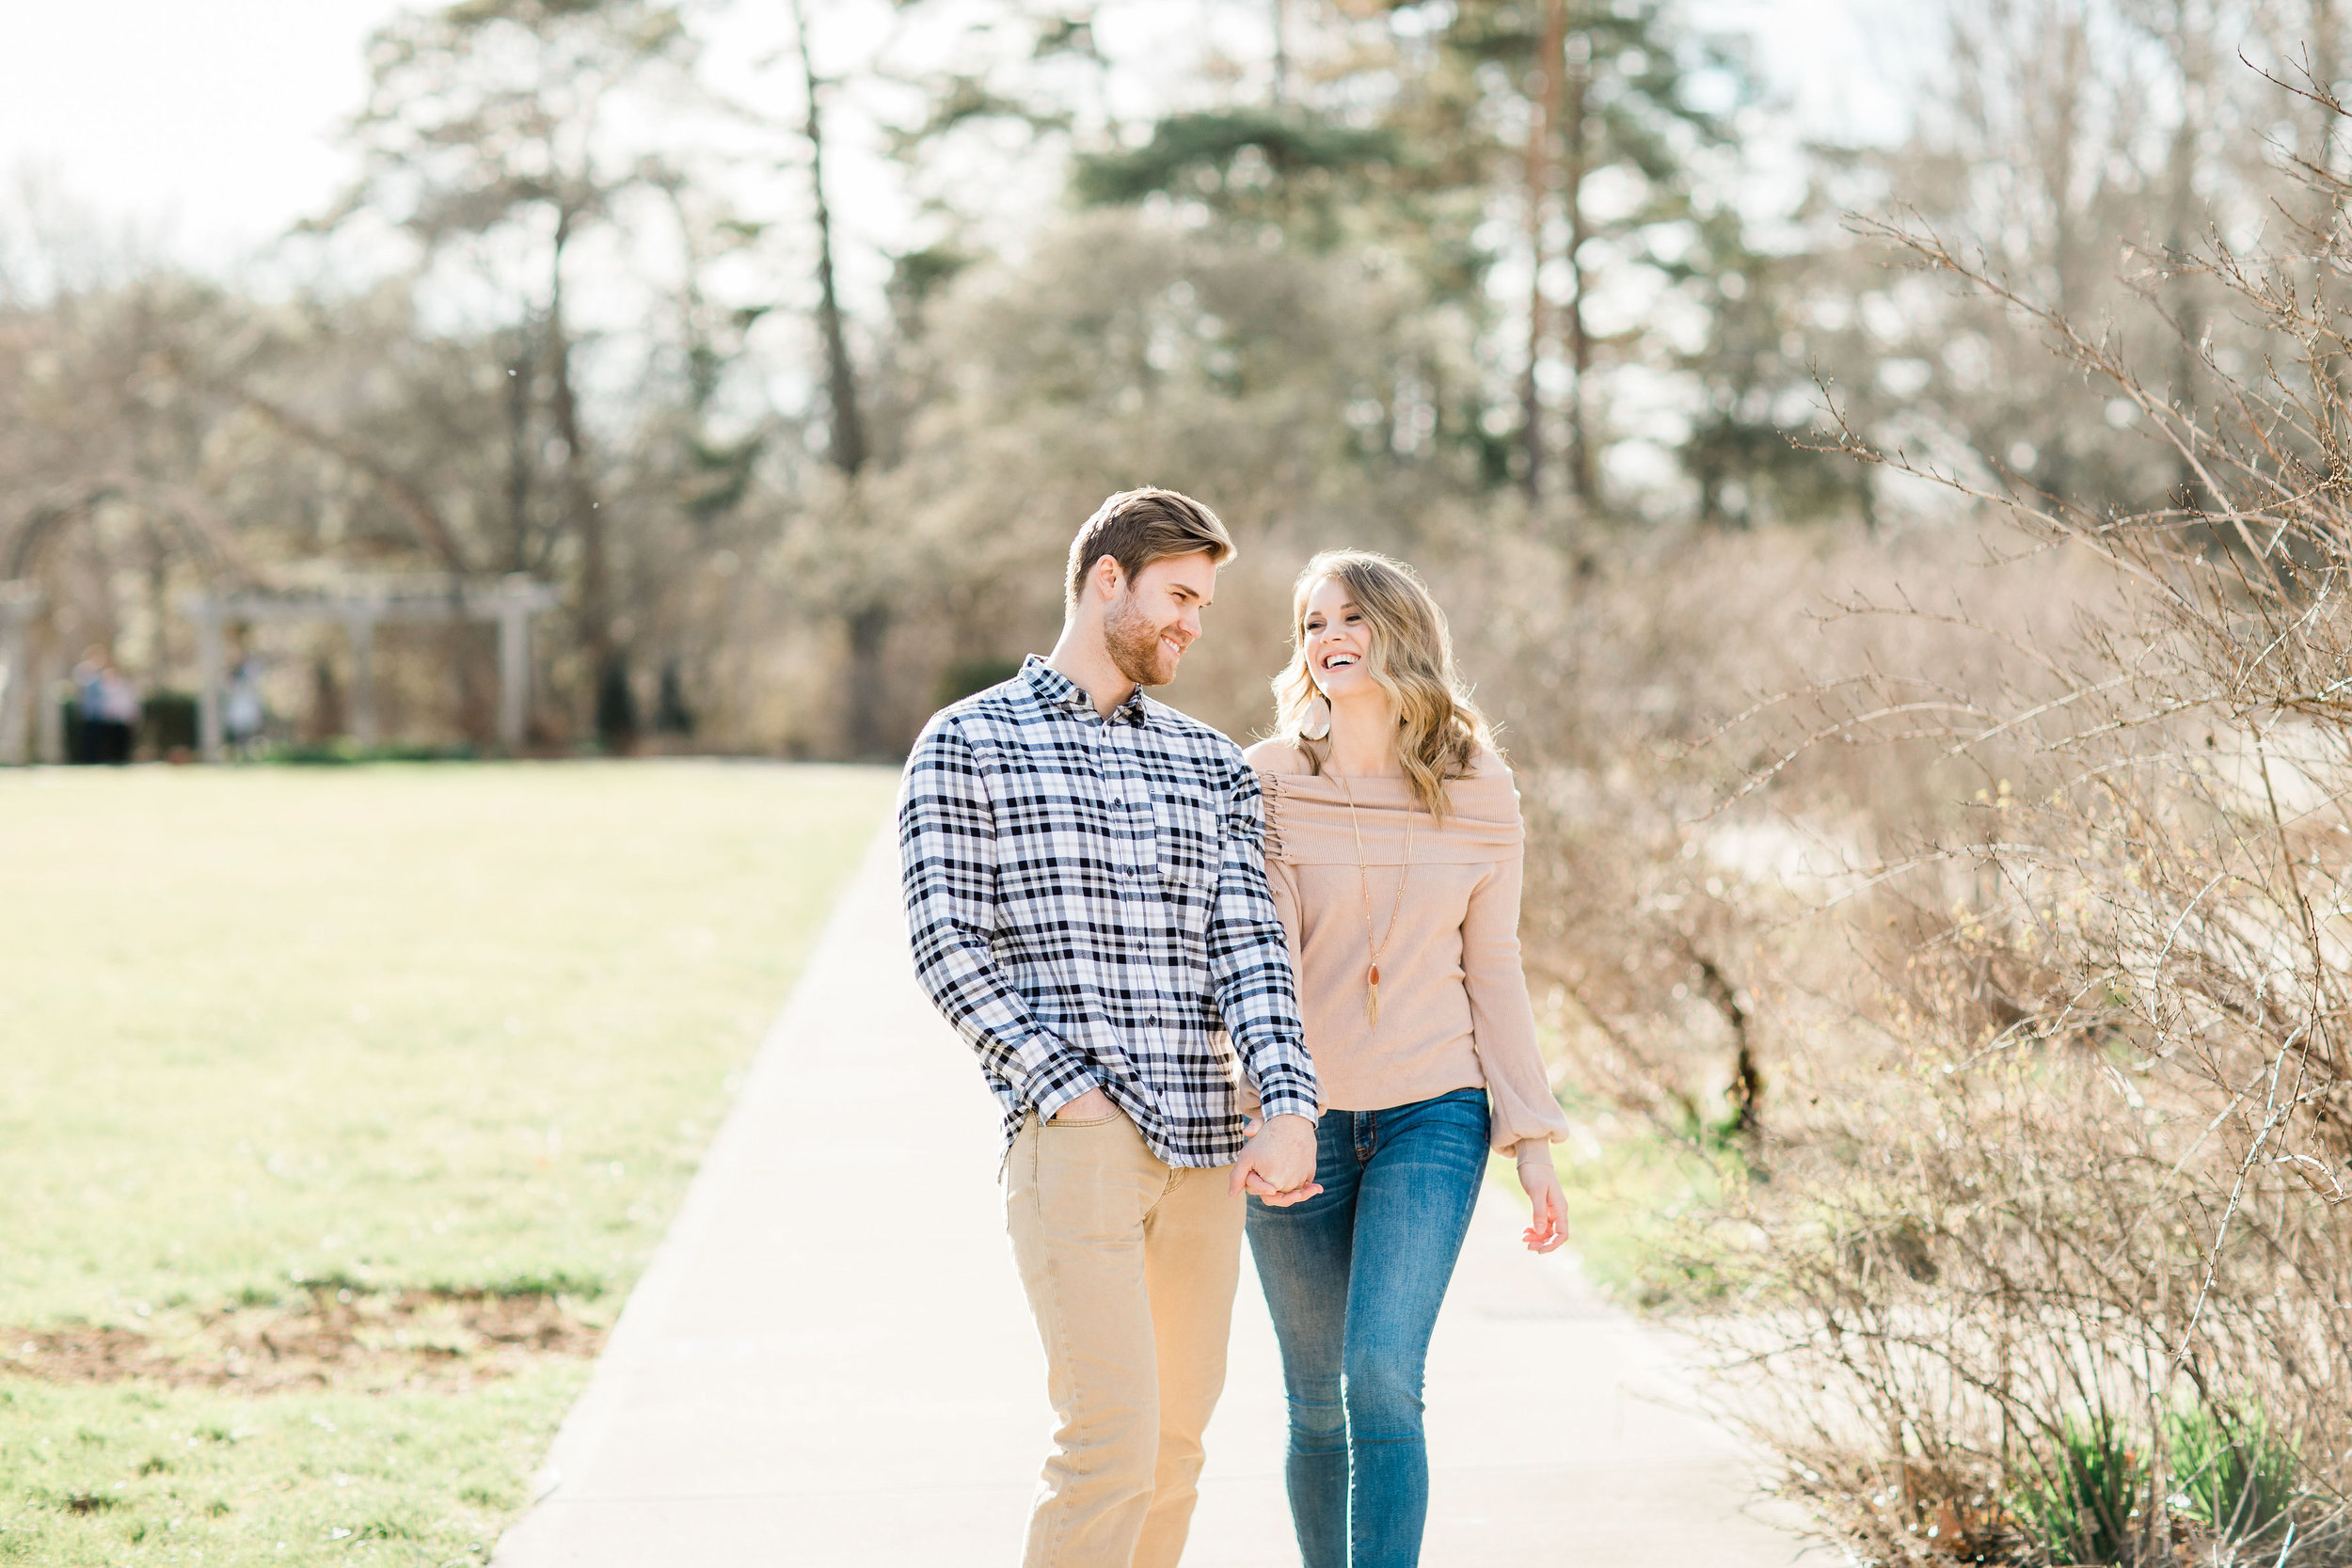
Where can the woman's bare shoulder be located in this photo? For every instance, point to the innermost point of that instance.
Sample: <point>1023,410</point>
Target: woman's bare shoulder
<point>1276,756</point>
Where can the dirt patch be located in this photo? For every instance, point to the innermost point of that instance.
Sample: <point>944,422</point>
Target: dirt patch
<point>339,1339</point>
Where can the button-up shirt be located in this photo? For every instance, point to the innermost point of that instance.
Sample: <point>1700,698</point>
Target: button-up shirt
<point>1087,903</point>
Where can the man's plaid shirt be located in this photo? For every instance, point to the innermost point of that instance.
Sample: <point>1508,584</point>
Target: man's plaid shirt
<point>1088,908</point>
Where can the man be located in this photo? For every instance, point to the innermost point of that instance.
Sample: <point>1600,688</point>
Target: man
<point>1086,892</point>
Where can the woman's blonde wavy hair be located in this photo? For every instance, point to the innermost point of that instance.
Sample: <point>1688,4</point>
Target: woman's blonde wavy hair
<point>1439,730</point>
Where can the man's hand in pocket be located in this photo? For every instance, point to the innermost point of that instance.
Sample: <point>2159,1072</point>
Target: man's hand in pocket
<point>1093,1105</point>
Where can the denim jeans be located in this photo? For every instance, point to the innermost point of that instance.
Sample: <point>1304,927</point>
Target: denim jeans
<point>1354,1276</point>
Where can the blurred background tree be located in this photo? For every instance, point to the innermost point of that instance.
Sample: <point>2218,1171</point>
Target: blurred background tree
<point>1558,281</point>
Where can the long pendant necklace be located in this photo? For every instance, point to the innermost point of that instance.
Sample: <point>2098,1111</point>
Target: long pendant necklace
<point>1363,884</point>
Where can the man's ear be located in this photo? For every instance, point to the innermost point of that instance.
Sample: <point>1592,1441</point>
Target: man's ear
<point>1107,578</point>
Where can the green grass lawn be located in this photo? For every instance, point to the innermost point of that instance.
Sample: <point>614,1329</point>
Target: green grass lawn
<point>388,1048</point>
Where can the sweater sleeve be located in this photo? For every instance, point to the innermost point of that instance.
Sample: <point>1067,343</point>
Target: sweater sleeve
<point>1250,963</point>
<point>1503,1020</point>
<point>1281,882</point>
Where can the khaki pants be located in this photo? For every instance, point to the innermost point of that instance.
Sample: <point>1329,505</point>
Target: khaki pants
<point>1130,1265</point>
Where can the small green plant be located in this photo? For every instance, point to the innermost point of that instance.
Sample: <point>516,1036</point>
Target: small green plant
<point>344,751</point>
<point>393,1527</point>
<point>2080,1502</point>
<point>2232,1470</point>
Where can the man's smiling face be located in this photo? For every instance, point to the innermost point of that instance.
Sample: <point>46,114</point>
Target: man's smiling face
<point>1156,617</point>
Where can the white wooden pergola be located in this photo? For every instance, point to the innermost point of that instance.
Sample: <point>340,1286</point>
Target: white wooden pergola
<point>20,602</point>
<point>361,605</point>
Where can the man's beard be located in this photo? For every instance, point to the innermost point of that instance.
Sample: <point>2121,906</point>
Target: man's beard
<point>1135,645</point>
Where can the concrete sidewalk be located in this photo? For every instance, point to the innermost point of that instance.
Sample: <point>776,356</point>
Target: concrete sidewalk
<point>829,1362</point>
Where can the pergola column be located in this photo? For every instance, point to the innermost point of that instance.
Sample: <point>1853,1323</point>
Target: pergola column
<point>361,625</point>
<point>359,608</point>
<point>19,603</point>
<point>514,606</point>
<point>208,677</point>
<point>48,716</point>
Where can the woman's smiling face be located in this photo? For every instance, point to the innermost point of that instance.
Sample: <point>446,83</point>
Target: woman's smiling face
<point>1338,641</point>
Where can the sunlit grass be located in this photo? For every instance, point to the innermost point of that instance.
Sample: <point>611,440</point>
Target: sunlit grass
<point>130,1473</point>
<point>1630,1186</point>
<point>455,1028</point>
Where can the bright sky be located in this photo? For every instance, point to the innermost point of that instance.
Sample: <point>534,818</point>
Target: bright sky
<point>212,120</point>
<point>210,124</point>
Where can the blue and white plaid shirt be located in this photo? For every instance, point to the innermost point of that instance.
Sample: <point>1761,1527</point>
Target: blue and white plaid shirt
<point>1087,904</point>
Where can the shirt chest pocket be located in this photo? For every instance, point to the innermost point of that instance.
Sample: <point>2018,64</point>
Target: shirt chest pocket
<point>1189,844</point>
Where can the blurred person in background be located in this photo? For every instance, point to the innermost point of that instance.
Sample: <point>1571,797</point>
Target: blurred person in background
<point>1087,900</point>
<point>109,708</point>
<point>1394,851</point>
<point>242,711</point>
<point>86,701</point>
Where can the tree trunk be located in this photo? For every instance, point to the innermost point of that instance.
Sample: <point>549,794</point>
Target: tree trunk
<point>869,629</point>
<point>2324,152</point>
<point>847,441</point>
<point>1746,1089</point>
<point>2074,245</point>
<point>2326,62</point>
<point>1281,53</point>
<point>522,375</point>
<point>1543,126</point>
<point>869,622</point>
<point>581,515</point>
<point>2181,175</point>
<point>1578,51</point>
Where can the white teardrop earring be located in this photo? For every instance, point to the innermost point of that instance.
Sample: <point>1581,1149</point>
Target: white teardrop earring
<point>1316,725</point>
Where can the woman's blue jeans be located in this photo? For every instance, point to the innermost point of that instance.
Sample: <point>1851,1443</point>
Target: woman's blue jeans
<point>1354,1276</point>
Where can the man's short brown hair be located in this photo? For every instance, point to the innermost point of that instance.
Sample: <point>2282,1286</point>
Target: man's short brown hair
<point>1136,528</point>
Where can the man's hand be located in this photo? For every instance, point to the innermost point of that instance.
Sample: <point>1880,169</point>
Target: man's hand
<point>1093,1105</point>
<point>1279,1164</point>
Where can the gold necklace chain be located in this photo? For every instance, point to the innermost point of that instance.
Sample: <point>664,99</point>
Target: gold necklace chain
<point>1363,885</point>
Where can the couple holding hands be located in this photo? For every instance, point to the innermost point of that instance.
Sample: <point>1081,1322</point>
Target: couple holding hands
<point>1275,992</point>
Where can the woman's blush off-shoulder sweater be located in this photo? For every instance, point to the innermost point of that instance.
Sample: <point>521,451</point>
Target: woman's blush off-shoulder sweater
<point>1453,1005</point>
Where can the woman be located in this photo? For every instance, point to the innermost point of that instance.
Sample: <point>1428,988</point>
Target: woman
<point>1394,851</point>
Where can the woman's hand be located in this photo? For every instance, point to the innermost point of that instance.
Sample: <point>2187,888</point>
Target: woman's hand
<point>1548,1215</point>
<point>1278,1163</point>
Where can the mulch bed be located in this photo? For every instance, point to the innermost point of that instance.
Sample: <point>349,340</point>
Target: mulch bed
<point>337,1338</point>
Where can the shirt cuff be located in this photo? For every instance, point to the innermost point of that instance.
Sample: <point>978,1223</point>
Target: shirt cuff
<point>1287,1093</point>
<point>1063,1079</point>
<point>1534,1151</point>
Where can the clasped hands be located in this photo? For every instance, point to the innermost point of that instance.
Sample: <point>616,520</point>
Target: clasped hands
<point>1278,1163</point>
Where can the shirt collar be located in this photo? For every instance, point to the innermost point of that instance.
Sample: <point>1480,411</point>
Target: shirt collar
<point>1058,690</point>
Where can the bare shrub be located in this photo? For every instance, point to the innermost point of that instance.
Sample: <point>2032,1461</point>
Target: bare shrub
<point>2050,1267</point>
<point>1656,709</point>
